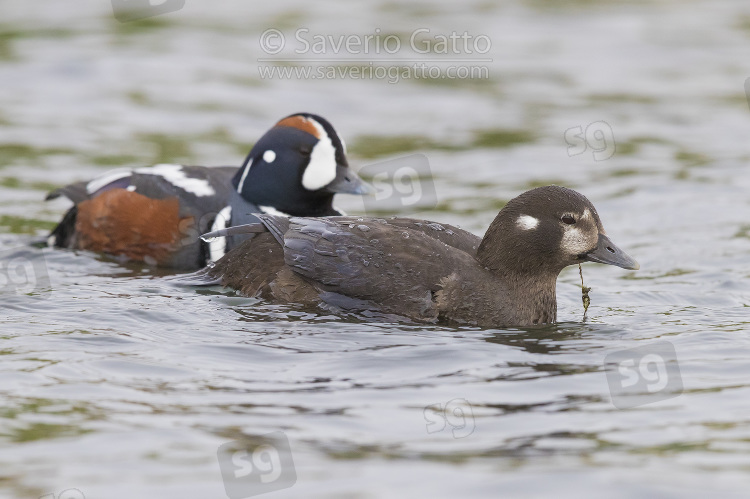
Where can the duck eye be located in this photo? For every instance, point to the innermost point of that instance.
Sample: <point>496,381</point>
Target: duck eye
<point>305,149</point>
<point>568,219</point>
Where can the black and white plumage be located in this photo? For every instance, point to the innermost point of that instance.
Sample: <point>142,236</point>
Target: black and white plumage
<point>423,270</point>
<point>157,214</point>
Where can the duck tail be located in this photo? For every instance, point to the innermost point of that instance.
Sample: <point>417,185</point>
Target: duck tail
<point>62,235</point>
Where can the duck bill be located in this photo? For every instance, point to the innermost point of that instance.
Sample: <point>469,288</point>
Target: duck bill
<point>348,182</point>
<point>608,253</point>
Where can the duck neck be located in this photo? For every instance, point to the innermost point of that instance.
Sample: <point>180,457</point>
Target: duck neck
<point>530,273</point>
<point>536,294</point>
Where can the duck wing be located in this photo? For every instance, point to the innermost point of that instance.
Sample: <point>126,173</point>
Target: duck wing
<point>397,264</point>
<point>157,182</point>
<point>200,193</point>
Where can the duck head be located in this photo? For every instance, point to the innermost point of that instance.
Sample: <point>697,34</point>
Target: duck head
<point>546,229</point>
<point>297,167</point>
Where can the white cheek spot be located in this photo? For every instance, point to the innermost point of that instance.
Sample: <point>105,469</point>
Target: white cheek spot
<point>270,210</point>
<point>573,241</point>
<point>586,214</point>
<point>175,175</point>
<point>269,156</point>
<point>322,167</point>
<point>218,245</point>
<point>527,222</point>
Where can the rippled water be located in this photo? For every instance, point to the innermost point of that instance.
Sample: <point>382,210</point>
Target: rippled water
<point>116,384</point>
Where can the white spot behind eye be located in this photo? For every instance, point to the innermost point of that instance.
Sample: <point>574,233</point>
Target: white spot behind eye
<point>527,222</point>
<point>322,167</point>
<point>269,156</point>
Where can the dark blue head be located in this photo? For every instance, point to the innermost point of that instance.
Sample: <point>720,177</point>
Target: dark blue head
<point>297,167</point>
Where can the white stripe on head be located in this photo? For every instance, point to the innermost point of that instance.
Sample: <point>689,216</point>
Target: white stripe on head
<point>322,167</point>
<point>217,247</point>
<point>527,222</point>
<point>107,178</point>
<point>244,174</point>
<point>175,175</point>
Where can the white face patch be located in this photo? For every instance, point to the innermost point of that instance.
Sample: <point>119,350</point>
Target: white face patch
<point>574,242</point>
<point>269,156</point>
<point>107,178</point>
<point>322,167</point>
<point>526,222</point>
<point>270,210</point>
<point>218,245</point>
<point>175,175</point>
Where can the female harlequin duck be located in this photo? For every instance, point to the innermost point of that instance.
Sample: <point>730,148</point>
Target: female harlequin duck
<point>157,214</point>
<point>423,270</point>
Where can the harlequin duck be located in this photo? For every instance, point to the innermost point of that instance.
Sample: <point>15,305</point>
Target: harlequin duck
<point>423,270</point>
<point>157,214</point>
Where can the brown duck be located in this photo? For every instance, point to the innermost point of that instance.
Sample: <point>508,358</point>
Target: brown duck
<point>422,270</point>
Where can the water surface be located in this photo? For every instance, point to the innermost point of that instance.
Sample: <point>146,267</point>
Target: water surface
<point>117,384</point>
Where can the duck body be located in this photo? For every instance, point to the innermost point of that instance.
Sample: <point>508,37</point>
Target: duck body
<point>417,269</point>
<point>144,215</point>
<point>157,214</point>
<point>428,272</point>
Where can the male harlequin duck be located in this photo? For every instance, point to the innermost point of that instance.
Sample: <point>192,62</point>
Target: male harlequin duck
<point>423,270</point>
<point>157,214</point>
